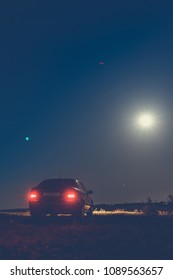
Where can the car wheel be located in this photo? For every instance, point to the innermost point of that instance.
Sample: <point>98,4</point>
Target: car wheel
<point>79,215</point>
<point>90,213</point>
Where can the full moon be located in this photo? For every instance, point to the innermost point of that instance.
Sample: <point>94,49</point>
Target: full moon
<point>146,120</point>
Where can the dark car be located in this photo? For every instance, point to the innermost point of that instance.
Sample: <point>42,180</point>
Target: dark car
<point>60,196</point>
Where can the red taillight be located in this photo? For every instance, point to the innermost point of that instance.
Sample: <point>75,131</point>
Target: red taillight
<point>71,196</point>
<point>34,196</point>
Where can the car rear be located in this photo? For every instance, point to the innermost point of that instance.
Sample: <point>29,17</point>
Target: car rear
<point>55,196</point>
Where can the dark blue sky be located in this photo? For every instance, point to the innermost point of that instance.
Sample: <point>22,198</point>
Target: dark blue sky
<point>79,114</point>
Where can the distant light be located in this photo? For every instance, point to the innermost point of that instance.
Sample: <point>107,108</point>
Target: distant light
<point>101,62</point>
<point>27,138</point>
<point>146,120</point>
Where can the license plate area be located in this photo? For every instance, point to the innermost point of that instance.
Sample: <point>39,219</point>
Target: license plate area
<point>51,194</point>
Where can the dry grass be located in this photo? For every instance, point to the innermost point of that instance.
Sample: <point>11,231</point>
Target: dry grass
<point>117,212</point>
<point>101,212</point>
<point>16,213</point>
<point>96,212</point>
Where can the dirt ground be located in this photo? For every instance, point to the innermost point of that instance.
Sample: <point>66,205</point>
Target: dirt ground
<point>114,237</point>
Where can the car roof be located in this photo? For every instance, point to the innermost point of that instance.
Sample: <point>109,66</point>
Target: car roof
<point>55,182</point>
<point>51,180</point>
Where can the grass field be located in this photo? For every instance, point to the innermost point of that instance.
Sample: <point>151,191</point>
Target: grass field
<point>104,236</point>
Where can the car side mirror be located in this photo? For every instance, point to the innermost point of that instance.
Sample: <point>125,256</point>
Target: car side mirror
<point>89,192</point>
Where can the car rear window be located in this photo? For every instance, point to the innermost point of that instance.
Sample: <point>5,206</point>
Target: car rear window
<point>56,184</point>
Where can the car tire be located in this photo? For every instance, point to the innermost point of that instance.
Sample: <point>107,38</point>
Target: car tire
<point>79,215</point>
<point>90,213</point>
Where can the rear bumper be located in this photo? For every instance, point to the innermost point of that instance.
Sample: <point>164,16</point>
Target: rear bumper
<point>36,207</point>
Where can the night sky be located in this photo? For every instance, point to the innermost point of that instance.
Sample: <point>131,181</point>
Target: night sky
<point>74,77</point>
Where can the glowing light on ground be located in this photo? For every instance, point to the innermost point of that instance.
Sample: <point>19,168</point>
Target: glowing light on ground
<point>103,212</point>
